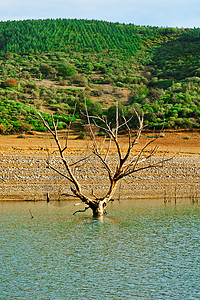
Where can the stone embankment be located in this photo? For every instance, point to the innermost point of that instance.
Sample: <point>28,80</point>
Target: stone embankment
<point>25,176</point>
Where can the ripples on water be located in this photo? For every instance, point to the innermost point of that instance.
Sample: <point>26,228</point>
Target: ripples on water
<point>140,250</point>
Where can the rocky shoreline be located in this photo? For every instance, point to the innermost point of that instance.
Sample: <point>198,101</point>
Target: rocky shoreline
<point>25,177</point>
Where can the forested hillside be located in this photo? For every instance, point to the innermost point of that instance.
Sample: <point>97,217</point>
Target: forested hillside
<point>48,65</point>
<point>36,36</point>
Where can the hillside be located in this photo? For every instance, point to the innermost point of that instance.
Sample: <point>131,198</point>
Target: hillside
<point>48,65</point>
<point>36,36</point>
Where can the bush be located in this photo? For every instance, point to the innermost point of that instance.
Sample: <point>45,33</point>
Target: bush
<point>120,84</point>
<point>82,135</point>
<point>96,93</point>
<point>66,69</point>
<point>25,74</point>
<point>11,82</point>
<point>80,79</point>
<point>2,129</point>
<point>47,70</point>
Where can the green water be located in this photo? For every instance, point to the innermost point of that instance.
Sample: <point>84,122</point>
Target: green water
<point>140,250</point>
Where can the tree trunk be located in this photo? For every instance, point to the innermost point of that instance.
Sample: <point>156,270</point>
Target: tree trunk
<point>99,208</point>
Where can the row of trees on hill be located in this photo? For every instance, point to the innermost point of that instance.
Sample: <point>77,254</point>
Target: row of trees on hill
<point>33,36</point>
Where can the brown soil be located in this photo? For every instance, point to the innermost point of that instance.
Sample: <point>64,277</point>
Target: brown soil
<point>24,175</point>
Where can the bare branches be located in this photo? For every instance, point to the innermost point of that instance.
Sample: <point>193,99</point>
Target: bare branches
<point>61,173</point>
<point>93,194</point>
<point>69,176</point>
<point>80,160</point>
<point>106,128</point>
<point>136,159</point>
<point>67,195</point>
<point>126,165</point>
<point>108,150</point>
<point>69,127</point>
<point>81,210</point>
<point>123,164</point>
<point>117,120</point>
<point>90,127</point>
<point>105,165</point>
<point>149,166</point>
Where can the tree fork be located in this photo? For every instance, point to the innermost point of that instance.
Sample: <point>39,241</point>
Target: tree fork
<point>126,164</point>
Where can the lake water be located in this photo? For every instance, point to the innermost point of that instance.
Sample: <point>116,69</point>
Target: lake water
<point>139,250</point>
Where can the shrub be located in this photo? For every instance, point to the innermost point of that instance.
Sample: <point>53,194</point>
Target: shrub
<point>11,82</point>
<point>2,129</point>
<point>120,84</point>
<point>47,70</point>
<point>37,103</point>
<point>81,136</point>
<point>96,93</point>
<point>25,74</point>
<point>62,82</point>
<point>80,79</point>
<point>66,69</point>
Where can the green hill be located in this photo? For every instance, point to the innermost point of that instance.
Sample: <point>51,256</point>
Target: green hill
<point>49,65</point>
<point>37,36</point>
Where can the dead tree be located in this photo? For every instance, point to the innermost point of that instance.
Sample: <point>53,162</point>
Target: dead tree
<point>127,163</point>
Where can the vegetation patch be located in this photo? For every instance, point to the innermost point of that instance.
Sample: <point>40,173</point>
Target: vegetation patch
<point>54,65</point>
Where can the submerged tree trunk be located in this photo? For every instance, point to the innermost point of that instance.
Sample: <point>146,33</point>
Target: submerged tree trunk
<point>99,208</point>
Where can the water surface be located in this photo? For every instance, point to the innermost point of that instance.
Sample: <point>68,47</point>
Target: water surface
<point>140,250</point>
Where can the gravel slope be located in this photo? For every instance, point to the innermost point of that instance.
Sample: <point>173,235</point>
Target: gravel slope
<point>26,177</point>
